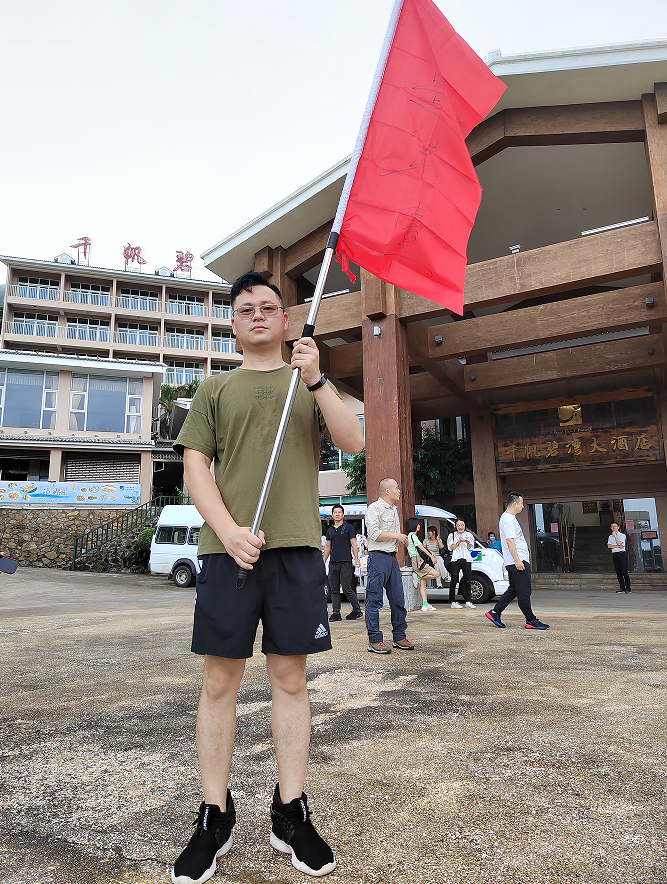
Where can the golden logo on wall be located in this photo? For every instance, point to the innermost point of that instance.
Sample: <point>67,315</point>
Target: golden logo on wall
<point>569,415</point>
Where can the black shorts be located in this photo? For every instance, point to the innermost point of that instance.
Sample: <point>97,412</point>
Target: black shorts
<point>285,590</point>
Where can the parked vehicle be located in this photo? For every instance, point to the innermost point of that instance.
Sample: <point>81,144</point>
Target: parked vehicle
<point>174,545</point>
<point>489,575</point>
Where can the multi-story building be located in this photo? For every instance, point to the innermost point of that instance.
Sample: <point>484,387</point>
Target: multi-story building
<point>67,308</point>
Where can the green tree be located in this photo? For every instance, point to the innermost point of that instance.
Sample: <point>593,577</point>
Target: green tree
<point>439,466</point>
<point>168,395</point>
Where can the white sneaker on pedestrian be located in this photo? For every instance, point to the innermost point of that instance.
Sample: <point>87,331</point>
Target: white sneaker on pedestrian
<point>455,605</point>
<point>439,584</point>
<point>470,605</point>
<point>427,608</point>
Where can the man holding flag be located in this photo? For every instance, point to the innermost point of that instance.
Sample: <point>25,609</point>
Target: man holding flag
<point>405,215</point>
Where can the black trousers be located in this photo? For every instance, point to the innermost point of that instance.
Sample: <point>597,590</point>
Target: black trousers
<point>340,577</point>
<point>455,568</point>
<point>621,568</point>
<point>518,589</point>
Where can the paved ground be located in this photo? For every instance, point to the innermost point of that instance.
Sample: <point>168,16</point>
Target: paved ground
<point>485,756</point>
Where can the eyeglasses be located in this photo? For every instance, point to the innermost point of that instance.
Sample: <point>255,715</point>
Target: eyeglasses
<point>265,309</point>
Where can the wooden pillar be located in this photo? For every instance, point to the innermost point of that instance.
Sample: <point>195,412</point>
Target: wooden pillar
<point>271,262</point>
<point>488,493</point>
<point>387,415</point>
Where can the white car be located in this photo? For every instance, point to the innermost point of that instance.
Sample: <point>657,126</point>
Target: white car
<point>174,545</point>
<point>488,573</point>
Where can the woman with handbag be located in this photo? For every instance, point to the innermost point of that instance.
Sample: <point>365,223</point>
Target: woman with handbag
<point>419,557</point>
<point>436,547</point>
<point>459,543</point>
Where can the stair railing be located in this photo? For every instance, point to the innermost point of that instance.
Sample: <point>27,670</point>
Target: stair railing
<point>140,517</point>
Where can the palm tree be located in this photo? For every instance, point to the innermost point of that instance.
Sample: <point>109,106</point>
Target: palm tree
<point>168,395</point>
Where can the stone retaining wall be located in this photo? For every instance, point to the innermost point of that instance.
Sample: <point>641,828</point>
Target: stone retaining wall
<point>44,537</point>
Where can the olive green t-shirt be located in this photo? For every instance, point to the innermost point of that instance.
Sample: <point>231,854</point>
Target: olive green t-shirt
<point>233,419</point>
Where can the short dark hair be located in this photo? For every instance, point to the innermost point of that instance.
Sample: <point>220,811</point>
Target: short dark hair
<point>433,528</point>
<point>412,526</point>
<point>248,281</point>
<point>490,533</point>
<point>512,497</point>
<point>338,506</point>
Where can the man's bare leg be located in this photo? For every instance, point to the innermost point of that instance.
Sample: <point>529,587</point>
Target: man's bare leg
<point>216,725</point>
<point>290,722</point>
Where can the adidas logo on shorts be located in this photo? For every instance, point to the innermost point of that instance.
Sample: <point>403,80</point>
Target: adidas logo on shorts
<point>321,631</point>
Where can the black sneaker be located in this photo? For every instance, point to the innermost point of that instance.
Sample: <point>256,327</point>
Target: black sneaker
<point>494,617</point>
<point>292,832</point>
<point>212,838</point>
<point>621,590</point>
<point>335,616</point>
<point>355,615</point>
<point>536,624</point>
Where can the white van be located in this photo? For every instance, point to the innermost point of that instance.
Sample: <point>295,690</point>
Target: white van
<point>174,544</point>
<point>489,575</point>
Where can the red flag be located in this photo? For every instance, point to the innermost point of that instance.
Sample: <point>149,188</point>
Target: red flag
<point>415,195</point>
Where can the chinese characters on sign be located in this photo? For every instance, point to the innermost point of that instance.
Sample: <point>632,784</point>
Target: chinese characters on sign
<point>82,246</point>
<point>184,263</point>
<point>132,255</point>
<point>621,430</point>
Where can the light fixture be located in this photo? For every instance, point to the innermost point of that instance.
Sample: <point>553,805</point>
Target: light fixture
<point>515,249</point>
<point>376,331</point>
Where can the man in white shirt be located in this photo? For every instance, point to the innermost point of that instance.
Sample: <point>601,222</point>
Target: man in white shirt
<point>616,544</point>
<point>517,560</point>
<point>383,528</point>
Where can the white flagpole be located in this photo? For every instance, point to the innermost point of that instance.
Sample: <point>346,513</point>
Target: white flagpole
<point>309,327</point>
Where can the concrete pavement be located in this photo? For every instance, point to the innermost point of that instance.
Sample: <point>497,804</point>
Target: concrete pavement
<point>485,755</point>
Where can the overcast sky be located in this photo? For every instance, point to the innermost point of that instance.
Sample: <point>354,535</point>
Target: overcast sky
<point>169,124</point>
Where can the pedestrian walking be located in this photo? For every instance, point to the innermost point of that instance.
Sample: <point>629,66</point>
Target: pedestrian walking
<point>436,547</point>
<point>383,528</point>
<point>517,561</point>
<point>419,558</point>
<point>341,547</point>
<point>232,422</point>
<point>619,556</point>
<point>459,543</point>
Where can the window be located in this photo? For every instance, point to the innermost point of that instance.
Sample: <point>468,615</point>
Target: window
<point>221,369</point>
<point>39,325</point>
<point>34,287</point>
<point>29,399</point>
<point>223,342</point>
<point>90,293</point>
<point>170,534</point>
<point>186,305</point>
<point>193,539</point>
<point>332,458</point>
<point>138,333</point>
<point>137,299</point>
<point>179,373</point>
<point>184,338</point>
<point>83,328</point>
<point>105,405</point>
<point>222,308</point>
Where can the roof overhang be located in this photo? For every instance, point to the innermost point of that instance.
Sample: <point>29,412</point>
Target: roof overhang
<point>47,362</point>
<point>617,72</point>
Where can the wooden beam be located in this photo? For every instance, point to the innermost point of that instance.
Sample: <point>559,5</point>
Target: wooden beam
<point>608,311</point>
<point>609,357</point>
<point>630,251</point>
<point>342,313</point>
<point>656,157</point>
<point>428,411</point>
<point>307,252</point>
<point>271,262</point>
<point>424,387</point>
<point>346,360</point>
<point>264,261</point>
<point>450,377</point>
<point>375,302</point>
<point>595,123</point>
<point>661,101</point>
<point>352,386</point>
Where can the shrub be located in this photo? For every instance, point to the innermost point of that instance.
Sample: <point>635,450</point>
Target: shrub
<point>141,551</point>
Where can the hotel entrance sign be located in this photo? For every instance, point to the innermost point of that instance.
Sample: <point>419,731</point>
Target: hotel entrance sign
<point>622,428</point>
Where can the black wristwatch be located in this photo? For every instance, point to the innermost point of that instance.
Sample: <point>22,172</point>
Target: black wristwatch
<point>322,381</point>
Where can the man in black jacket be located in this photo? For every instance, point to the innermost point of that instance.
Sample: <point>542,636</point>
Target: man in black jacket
<point>341,545</point>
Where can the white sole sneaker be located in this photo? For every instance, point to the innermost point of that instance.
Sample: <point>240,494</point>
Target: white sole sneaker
<point>283,847</point>
<point>455,605</point>
<point>186,879</point>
